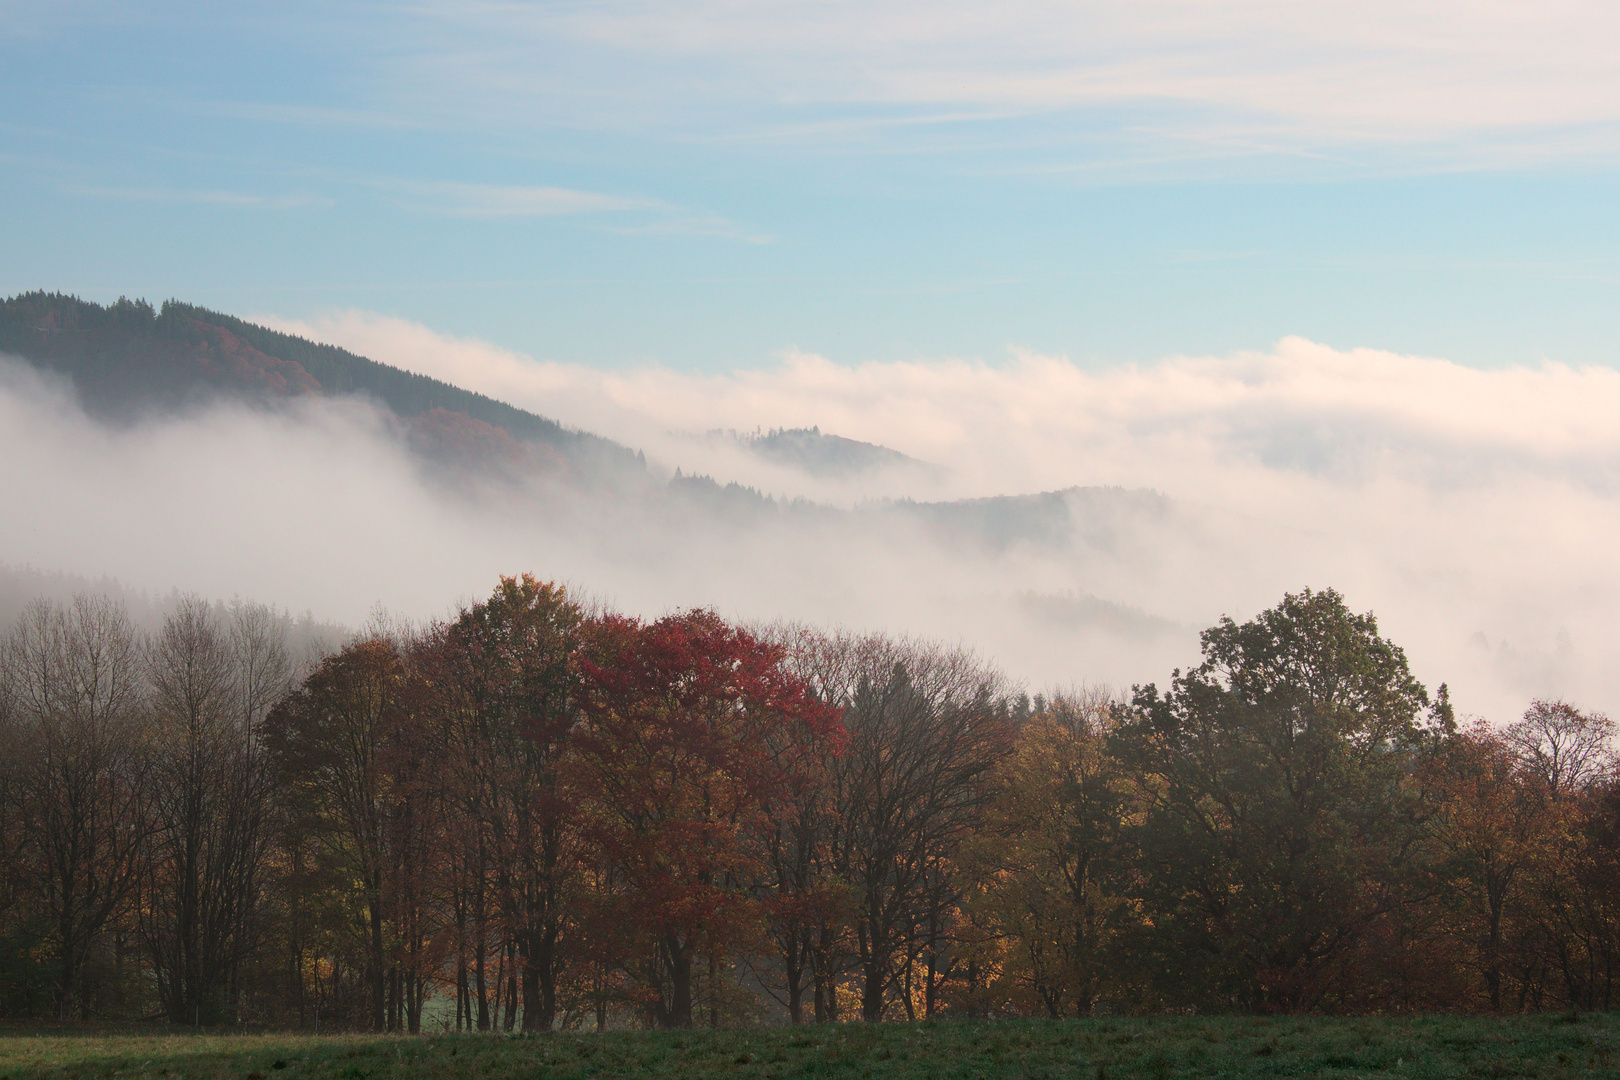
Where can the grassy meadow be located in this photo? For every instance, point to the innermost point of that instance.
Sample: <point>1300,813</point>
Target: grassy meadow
<point>1435,1046</point>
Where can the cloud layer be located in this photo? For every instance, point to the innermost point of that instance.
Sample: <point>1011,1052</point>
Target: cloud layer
<point>1473,511</point>
<point>1035,422</point>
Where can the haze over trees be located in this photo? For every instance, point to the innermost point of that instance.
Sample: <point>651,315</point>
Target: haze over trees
<point>130,361</point>
<point>542,815</point>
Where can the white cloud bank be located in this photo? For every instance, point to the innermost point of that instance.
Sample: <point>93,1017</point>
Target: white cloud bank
<point>1475,512</point>
<point>1038,422</point>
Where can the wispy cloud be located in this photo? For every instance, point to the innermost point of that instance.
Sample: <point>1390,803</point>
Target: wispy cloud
<point>624,214</point>
<point>1262,76</point>
<point>681,224</point>
<point>306,115</point>
<point>252,200</point>
<point>500,200</point>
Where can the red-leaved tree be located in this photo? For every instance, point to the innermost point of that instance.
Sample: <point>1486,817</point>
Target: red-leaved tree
<point>692,734</point>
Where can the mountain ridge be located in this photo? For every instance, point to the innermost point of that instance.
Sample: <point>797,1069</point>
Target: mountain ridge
<point>129,359</point>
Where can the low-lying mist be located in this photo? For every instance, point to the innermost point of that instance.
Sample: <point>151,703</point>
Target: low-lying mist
<point>1475,512</point>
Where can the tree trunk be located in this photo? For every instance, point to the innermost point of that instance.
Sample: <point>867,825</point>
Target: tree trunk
<point>483,985</point>
<point>795,1001</point>
<point>546,978</point>
<point>393,997</point>
<point>714,988</point>
<point>509,1019</point>
<point>534,1018</point>
<point>70,971</point>
<point>826,991</point>
<point>1493,946</point>
<point>874,978</point>
<point>413,1004</point>
<point>793,963</point>
<point>931,987</point>
<point>872,992</point>
<point>374,962</point>
<point>678,966</point>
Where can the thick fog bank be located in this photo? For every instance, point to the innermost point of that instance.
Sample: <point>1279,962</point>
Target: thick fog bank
<point>1473,511</point>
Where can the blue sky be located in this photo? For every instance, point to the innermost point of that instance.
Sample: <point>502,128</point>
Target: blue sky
<point>1338,278</point>
<point>704,185</point>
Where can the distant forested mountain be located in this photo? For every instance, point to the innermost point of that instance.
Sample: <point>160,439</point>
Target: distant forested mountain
<point>128,359</point>
<point>1102,518</point>
<point>822,454</point>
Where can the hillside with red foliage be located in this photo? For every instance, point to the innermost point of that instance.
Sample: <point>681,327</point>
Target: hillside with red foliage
<point>126,359</point>
<point>224,357</point>
<point>453,438</point>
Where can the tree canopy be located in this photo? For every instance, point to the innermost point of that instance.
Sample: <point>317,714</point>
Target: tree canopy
<point>536,814</point>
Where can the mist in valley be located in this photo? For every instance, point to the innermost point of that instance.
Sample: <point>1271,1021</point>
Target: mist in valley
<point>1069,525</point>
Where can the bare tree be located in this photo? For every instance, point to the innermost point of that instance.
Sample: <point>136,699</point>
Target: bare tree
<point>257,639</point>
<point>211,686</point>
<point>924,726</point>
<point>810,909</point>
<point>72,682</point>
<point>12,753</point>
<point>1565,749</point>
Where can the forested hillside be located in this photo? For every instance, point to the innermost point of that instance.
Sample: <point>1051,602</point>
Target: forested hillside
<point>824,454</point>
<point>536,815</point>
<point>128,359</point>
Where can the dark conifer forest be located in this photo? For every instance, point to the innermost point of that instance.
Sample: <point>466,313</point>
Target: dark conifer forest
<point>128,360</point>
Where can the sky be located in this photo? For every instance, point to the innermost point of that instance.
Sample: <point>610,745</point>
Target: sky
<point>708,186</point>
<point>1326,290</point>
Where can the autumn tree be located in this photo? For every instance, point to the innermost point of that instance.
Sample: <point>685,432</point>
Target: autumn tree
<point>560,813</point>
<point>1586,944</point>
<point>1566,751</point>
<point>418,834</point>
<point>510,698</point>
<point>1490,827</point>
<point>1568,760</point>
<point>681,751</point>
<point>1051,858</point>
<point>809,908</point>
<point>332,743</point>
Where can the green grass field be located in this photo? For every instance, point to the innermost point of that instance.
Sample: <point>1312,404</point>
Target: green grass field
<point>1535,1046</point>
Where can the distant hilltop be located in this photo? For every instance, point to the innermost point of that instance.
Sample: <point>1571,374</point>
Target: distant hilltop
<point>128,360</point>
<point>810,450</point>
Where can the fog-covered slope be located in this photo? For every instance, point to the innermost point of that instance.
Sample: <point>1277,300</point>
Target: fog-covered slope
<point>128,360</point>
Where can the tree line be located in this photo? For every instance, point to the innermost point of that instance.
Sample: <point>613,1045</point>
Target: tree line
<point>540,815</point>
